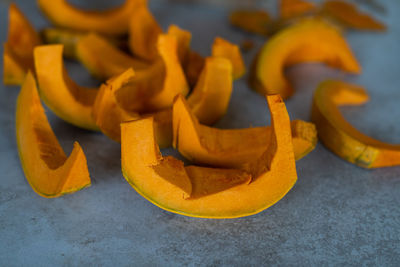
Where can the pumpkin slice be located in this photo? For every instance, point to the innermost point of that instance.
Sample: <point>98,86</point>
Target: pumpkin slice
<point>18,50</point>
<point>183,39</point>
<point>340,136</point>
<point>193,67</point>
<point>47,169</point>
<point>223,48</point>
<point>154,88</point>
<point>143,33</point>
<point>69,101</point>
<point>294,8</point>
<point>113,21</point>
<point>108,114</point>
<point>233,147</point>
<point>309,40</point>
<point>104,60</point>
<point>254,21</point>
<point>227,193</point>
<point>347,14</point>
<point>210,98</point>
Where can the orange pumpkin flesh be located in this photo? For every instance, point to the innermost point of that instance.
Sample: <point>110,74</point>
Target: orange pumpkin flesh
<point>309,40</point>
<point>168,184</point>
<point>233,147</point>
<point>113,21</point>
<point>154,88</point>
<point>210,98</point>
<point>223,48</point>
<point>104,60</point>
<point>341,137</point>
<point>18,50</point>
<point>193,66</point>
<point>293,8</point>
<point>46,167</point>
<point>63,96</point>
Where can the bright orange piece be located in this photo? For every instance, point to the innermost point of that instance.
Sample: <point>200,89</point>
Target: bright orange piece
<point>294,8</point>
<point>223,48</point>
<point>230,147</point>
<point>69,101</point>
<point>114,21</point>
<point>341,137</point>
<point>207,192</point>
<point>47,169</point>
<point>18,50</point>
<point>308,40</point>
<point>348,14</point>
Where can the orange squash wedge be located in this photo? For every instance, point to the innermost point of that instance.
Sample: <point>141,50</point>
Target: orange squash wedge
<point>154,88</point>
<point>113,21</point>
<point>108,114</point>
<point>294,8</point>
<point>69,101</point>
<point>183,39</point>
<point>223,48</point>
<point>143,33</point>
<point>254,21</point>
<point>309,40</point>
<point>193,66</point>
<point>230,148</point>
<point>104,60</point>
<point>48,170</point>
<point>18,50</point>
<point>340,136</point>
<point>208,192</point>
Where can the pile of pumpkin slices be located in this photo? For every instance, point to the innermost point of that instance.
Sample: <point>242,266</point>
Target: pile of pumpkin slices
<point>158,93</point>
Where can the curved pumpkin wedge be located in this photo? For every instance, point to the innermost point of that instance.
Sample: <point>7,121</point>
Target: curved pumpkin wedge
<point>341,137</point>
<point>143,32</point>
<point>47,169</point>
<point>294,8</point>
<point>309,40</point>
<point>233,147</point>
<point>193,67</point>
<point>210,98</point>
<point>18,50</point>
<point>348,14</point>
<point>223,48</point>
<point>183,39</point>
<point>207,192</point>
<point>154,88</point>
<point>63,96</point>
<point>254,21</point>
<point>113,21</point>
<point>111,62</point>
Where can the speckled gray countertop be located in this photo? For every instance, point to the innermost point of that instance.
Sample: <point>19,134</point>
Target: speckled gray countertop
<point>337,214</point>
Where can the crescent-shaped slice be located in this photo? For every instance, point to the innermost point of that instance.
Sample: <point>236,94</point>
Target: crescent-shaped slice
<point>207,192</point>
<point>18,50</point>
<point>309,40</point>
<point>340,136</point>
<point>104,60</point>
<point>225,49</point>
<point>230,147</point>
<point>113,21</point>
<point>46,167</point>
<point>69,101</point>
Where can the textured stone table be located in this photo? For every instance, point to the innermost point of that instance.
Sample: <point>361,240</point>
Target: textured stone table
<point>337,213</point>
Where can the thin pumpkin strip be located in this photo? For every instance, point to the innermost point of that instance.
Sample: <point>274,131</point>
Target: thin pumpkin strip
<point>294,8</point>
<point>340,136</point>
<point>309,40</point>
<point>225,49</point>
<point>113,21</point>
<point>68,100</point>
<point>230,147</point>
<point>165,182</point>
<point>347,14</point>
<point>104,60</point>
<point>18,49</point>
<point>254,21</point>
<point>48,170</point>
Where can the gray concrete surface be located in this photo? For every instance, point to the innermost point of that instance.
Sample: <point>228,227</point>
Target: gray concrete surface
<point>337,214</point>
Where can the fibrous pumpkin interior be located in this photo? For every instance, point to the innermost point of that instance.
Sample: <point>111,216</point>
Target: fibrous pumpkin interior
<point>18,50</point>
<point>309,40</point>
<point>69,101</point>
<point>208,192</point>
<point>48,170</point>
<point>209,100</point>
<point>103,59</point>
<point>154,88</point>
<point>114,21</point>
<point>234,147</point>
<point>340,136</point>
